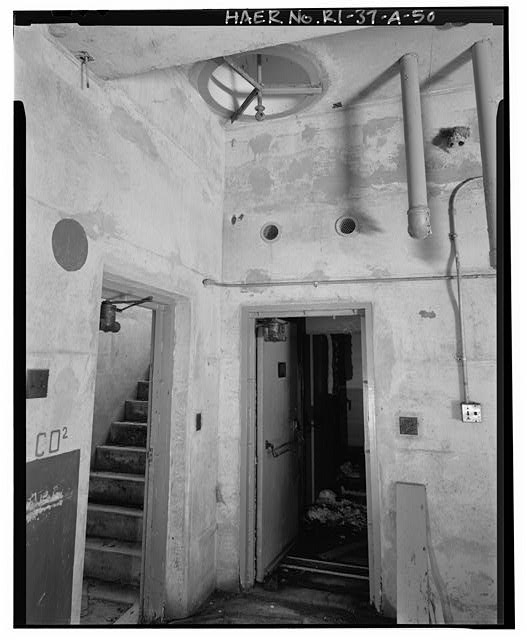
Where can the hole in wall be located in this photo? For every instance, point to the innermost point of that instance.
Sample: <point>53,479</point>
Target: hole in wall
<point>270,232</point>
<point>345,226</point>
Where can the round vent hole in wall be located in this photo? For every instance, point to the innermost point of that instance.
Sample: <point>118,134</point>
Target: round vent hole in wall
<point>345,226</point>
<point>270,232</point>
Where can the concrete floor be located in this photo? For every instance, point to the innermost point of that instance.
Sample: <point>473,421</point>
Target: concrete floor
<point>288,606</point>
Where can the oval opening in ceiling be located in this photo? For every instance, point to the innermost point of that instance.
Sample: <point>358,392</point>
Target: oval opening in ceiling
<point>225,90</point>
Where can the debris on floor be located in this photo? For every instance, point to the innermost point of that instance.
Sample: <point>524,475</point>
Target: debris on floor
<point>338,512</point>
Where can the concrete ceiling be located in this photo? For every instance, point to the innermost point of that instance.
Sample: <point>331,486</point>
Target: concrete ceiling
<point>363,66</point>
<point>358,64</point>
<point>120,52</point>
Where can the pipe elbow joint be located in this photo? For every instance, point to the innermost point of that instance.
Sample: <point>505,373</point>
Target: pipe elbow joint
<point>419,222</point>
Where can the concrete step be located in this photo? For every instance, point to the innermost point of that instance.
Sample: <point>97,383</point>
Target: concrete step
<point>118,523</point>
<point>136,410</point>
<point>120,459</point>
<point>143,387</point>
<point>128,433</point>
<point>112,560</point>
<point>101,590</point>
<point>122,489</point>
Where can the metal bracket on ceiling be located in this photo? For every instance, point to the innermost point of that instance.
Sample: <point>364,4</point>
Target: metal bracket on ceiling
<point>261,89</point>
<point>84,57</point>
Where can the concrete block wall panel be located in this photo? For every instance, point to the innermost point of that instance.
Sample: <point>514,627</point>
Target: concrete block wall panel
<point>303,173</point>
<point>149,200</point>
<point>122,360</point>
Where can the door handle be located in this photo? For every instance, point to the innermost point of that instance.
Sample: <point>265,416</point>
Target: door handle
<point>281,449</point>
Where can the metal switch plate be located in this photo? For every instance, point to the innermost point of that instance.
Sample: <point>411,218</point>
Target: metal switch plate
<point>471,412</point>
<point>37,383</point>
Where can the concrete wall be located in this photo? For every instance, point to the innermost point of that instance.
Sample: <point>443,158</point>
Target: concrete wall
<point>303,173</point>
<point>123,359</point>
<point>145,180</point>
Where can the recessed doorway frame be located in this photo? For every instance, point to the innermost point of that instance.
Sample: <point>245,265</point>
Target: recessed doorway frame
<point>249,316</point>
<point>170,364</point>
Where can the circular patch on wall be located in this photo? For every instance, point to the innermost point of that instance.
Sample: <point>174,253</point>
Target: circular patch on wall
<point>70,244</point>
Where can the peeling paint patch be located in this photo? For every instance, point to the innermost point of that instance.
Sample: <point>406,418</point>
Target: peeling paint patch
<point>98,223</point>
<point>427,314</point>
<point>378,272</point>
<point>43,502</point>
<point>260,181</point>
<point>219,495</point>
<point>133,131</point>
<point>308,133</point>
<point>257,275</point>
<point>299,168</point>
<point>260,144</point>
<point>317,275</point>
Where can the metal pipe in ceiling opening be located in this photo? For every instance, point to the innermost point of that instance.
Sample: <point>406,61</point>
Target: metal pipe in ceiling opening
<point>418,211</point>
<point>482,64</point>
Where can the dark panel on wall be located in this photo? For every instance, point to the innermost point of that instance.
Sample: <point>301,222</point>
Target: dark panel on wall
<point>51,516</point>
<point>37,383</point>
<point>70,244</point>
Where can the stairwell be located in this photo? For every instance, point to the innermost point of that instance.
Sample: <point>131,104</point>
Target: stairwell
<point>114,525</point>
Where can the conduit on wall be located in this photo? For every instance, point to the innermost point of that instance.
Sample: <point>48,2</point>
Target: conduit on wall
<point>210,282</point>
<point>481,63</point>
<point>462,356</point>
<point>418,211</point>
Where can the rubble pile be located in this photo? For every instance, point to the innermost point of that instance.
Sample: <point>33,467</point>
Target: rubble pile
<point>329,510</point>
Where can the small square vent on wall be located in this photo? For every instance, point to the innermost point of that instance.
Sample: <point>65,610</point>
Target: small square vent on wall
<point>408,426</point>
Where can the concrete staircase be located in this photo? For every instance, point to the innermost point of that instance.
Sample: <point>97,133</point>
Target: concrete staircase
<point>114,525</point>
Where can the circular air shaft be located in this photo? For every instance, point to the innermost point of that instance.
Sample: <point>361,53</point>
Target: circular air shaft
<point>265,84</point>
<point>346,226</point>
<point>270,232</point>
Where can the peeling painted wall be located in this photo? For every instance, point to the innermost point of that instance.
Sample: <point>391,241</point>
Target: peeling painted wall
<point>143,174</point>
<point>303,173</point>
<point>144,167</point>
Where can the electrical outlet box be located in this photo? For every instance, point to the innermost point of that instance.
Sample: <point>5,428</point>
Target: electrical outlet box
<point>471,412</point>
<point>37,383</point>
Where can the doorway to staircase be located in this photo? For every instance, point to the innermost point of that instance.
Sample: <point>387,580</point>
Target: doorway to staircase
<point>115,523</point>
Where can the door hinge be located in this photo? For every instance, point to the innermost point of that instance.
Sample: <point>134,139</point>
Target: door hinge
<point>150,454</point>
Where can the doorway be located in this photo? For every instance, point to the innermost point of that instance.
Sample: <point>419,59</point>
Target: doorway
<point>309,450</point>
<point>114,547</point>
<point>166,311</point>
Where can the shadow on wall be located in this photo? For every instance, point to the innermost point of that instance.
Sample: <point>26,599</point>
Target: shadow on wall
<point>431,249</point>
<point>123,359</point>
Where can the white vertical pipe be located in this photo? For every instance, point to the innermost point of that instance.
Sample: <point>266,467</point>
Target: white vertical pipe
<point>482,65</point>
<point>418,211</point>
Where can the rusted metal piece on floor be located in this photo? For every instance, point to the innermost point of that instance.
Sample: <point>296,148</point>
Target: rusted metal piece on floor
<point>326,564</point>
<point>338,569</point>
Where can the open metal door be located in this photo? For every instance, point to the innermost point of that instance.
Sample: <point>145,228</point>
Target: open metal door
<point>278,468</point>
